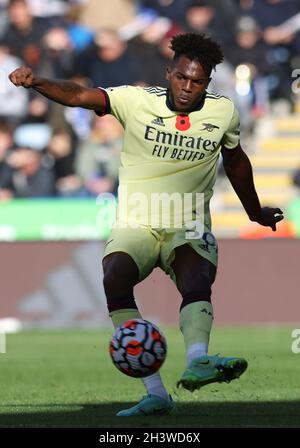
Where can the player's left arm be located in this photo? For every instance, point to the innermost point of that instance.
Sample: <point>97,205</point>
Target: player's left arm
<point>239,171</point>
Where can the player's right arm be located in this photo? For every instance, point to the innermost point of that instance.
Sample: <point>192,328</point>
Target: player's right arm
<point>67,93</point>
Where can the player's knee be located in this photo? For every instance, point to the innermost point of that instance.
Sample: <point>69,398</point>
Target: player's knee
<point>194,282</point>
<point>114,280</point>
<point>120,277</point>
<point>115,303</point>
<point>119,270</point>
<point>118,290</point>
<point>110,278</point>
<point>195,289</point>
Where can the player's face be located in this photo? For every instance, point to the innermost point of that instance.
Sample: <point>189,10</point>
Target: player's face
<point>187,83</point>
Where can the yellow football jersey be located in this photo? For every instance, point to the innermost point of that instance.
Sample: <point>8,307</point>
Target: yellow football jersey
<point>169,154</point>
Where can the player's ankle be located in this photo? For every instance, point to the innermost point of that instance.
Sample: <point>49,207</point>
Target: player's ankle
<point>195,351</point>
<point>161,394</point>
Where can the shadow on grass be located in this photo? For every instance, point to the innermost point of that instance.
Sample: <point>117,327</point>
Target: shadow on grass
<point>190,415</point>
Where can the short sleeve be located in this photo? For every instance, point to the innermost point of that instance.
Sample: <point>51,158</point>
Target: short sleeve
<point>231,137</point>
<point>122,101</point>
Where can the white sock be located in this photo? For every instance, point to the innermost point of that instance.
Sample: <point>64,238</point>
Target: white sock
<point>154,386</point>
<point>196,350</point>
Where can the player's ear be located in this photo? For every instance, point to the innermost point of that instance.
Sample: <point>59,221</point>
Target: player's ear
<point>168,73</point>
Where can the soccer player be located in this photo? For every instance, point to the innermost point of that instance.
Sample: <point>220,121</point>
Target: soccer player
<point>173,139</point>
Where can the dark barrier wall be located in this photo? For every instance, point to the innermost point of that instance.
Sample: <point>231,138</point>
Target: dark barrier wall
<point>60,284</point>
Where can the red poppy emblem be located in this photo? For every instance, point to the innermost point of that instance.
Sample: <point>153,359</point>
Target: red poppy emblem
<point>182,122</point>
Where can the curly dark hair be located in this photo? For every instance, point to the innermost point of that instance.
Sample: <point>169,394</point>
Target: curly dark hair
<point>199,47</point>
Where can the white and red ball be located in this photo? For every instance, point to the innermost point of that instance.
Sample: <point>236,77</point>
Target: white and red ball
<point>138,348</point>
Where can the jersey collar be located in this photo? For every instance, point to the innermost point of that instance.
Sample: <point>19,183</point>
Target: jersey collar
<point>197,106</point>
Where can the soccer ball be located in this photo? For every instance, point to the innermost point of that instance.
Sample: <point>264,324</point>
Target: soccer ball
<point>138,348</point>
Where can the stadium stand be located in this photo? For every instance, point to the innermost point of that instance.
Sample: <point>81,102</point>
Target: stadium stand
<point>69,30</point>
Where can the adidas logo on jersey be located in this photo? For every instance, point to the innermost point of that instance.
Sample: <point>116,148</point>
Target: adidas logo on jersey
<point>158,121</point>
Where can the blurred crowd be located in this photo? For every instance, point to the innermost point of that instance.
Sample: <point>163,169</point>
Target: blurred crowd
<point>48,150</point>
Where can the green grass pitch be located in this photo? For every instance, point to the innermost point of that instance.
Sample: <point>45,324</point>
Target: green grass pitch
<point>66,379</point>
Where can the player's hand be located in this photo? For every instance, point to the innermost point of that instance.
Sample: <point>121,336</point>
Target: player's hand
<point>22,76</point>
<point>269,217</point>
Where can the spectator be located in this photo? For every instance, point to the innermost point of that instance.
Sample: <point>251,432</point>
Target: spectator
<point>80,36</point>
<point>38,110</point>
<point>60,156</point>
<point>269,80</point>
<point>172,9</point>
<point>97,161</point>
<point>49,8</point>
<point>270,14</point>
<point>286,32</point>
<point>58,57</point>
<point>107,62</point>
<point>24,33</point>
<point>6,143</point>
<point>251,52</point>
<point>13,102</point>
<point>31,177</point>
<point>77,120</point>
<point>201,16</point>
<point>152,51</point>
<point>273,12</point>
<point>3,17</point>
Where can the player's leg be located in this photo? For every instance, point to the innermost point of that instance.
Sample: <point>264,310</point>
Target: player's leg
<point>194,278</point>
<point>121,274</point>
<point>123,269</point>
<point>124,265</point>
<point>192,265</point>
